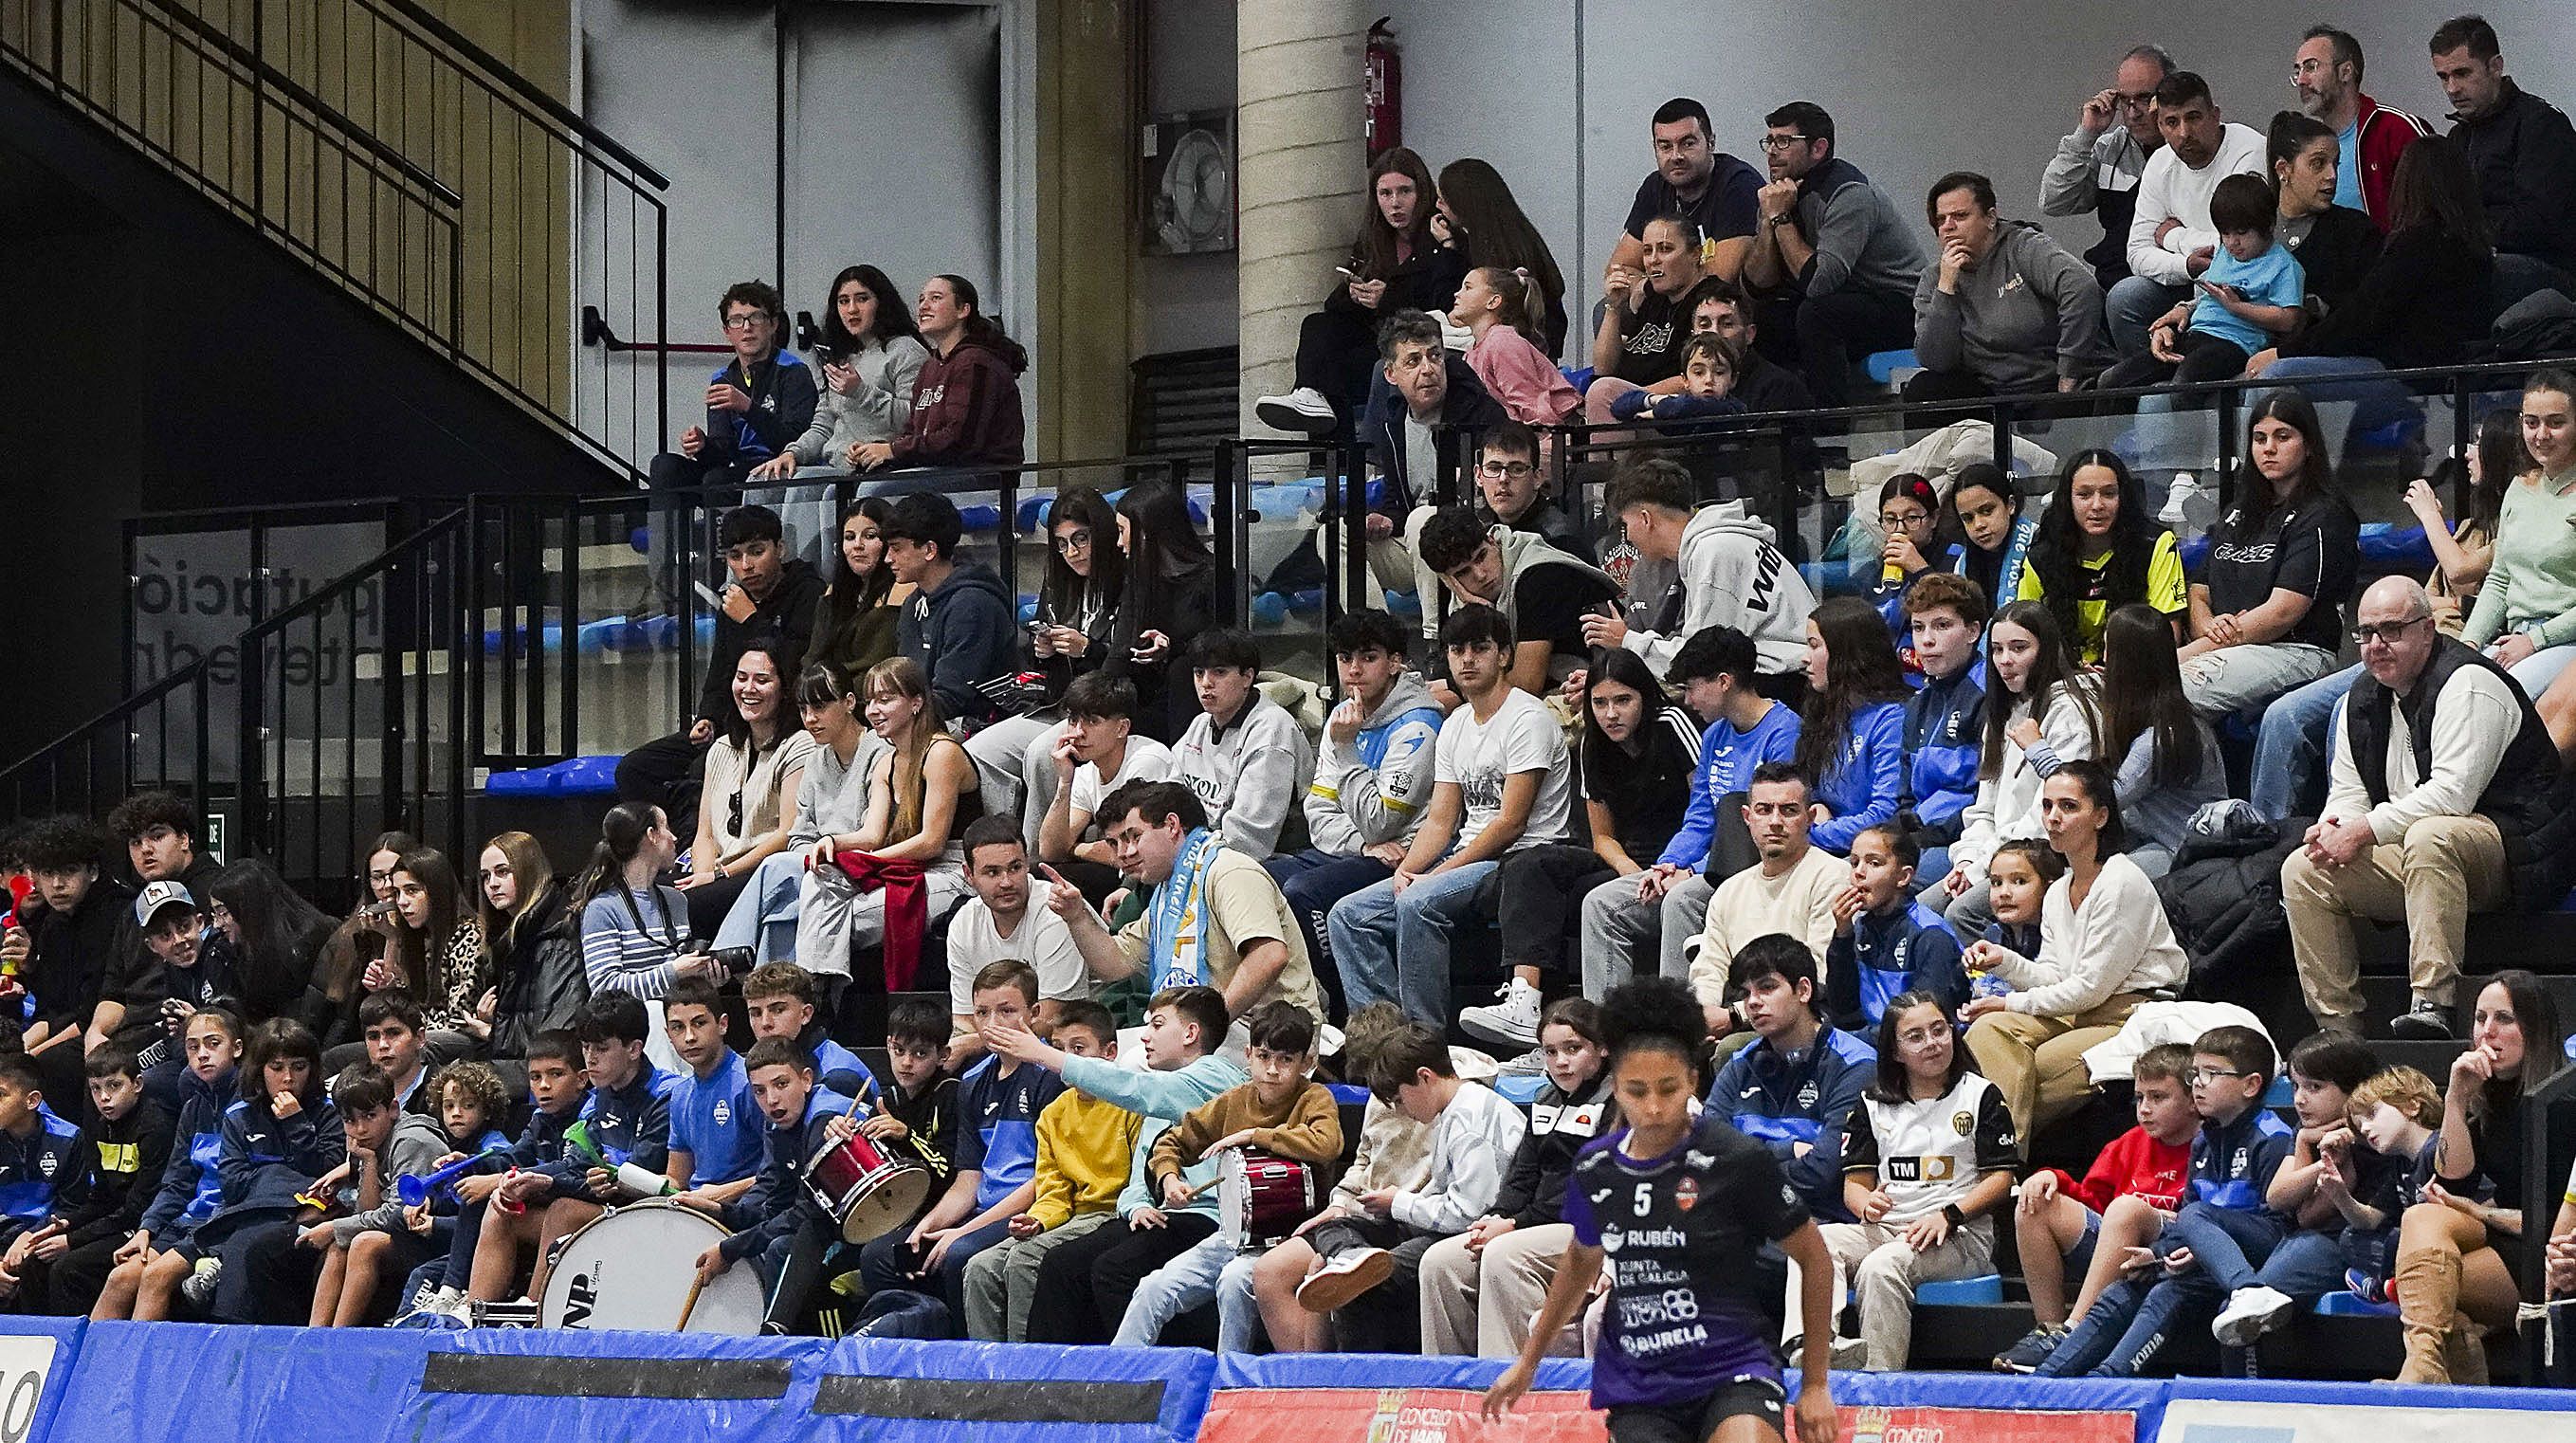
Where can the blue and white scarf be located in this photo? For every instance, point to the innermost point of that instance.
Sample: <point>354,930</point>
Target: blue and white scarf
<point>1176,920</point>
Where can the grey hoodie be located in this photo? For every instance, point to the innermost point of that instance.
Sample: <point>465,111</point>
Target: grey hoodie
<point>2028,316</point>
<point>1731,574</point>
<point>1372,789</point>
<point>412,1149</point>
<point>960,634</point>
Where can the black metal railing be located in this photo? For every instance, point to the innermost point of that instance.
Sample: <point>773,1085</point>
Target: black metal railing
<point>403,163</point>
<point>521,630</point>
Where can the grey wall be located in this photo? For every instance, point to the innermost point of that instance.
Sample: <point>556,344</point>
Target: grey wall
<point>1186,302</point>
<point>1556,93</point>
<point>895,132</point>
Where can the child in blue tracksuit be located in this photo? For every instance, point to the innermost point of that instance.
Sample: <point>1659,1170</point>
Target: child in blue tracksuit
<point>779,1224</point>
<point>1885,942</point>
<point>282,1142</point>
<point>1797,1084</point>
<point>161,1254</point>
<point>556,1090</point>
<point>1945,721</point>
<point>2225,1231</point>
<point>38,1151</point>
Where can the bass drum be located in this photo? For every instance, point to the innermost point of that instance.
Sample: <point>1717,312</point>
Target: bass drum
<point>631,1267</point>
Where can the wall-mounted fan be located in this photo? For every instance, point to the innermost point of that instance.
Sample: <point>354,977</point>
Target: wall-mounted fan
<point>1189,184</point>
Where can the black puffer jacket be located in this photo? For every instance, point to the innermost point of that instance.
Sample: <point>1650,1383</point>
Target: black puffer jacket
<point>542,982</point>
<point>2223,898</point>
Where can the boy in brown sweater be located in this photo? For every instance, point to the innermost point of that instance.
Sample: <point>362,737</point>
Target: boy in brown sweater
<point>1280,1111</point>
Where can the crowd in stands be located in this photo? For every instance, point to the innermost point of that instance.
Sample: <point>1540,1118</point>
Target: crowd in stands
<point>1902,870</point>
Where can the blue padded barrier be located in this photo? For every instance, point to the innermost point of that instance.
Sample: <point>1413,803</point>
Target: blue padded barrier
<point>37,1359</point>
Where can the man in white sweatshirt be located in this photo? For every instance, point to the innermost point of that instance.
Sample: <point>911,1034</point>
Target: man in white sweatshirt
<point>1372,778</point>
<point>1244,755</point>
<point>2171,237</point>
<point>1727,572</point>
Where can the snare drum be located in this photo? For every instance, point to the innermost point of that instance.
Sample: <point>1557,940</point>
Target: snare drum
<point>869,1192</point>
<point>1261,1199</point>
<point>632,1267</point>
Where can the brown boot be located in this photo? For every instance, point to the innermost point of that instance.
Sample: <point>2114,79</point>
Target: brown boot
<point>2464,1353</point>
<point>2427,1287</point>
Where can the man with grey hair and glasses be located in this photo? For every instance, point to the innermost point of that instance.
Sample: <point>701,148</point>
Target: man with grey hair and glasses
<point>2446,798</point>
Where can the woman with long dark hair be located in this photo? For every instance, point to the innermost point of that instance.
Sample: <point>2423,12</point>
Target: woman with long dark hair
<point>437,956</point>
<point>2167,759</point>
<point>2289,750</point>
<point>966,401</point>
<point>2430,292</point>
<point>1398,263</point>
<point>1170,597</point>
<point>2457,1257</point>
<point>1996,528</point>
<point>833,800</point>
<point>276,935</point>
<point>532,947</point>
<point>753,772</point>
<point>870,358</point>
<point>1076,626</point>
<point>2267,613</point>
<point>634,929</point>
<point>1639,754</point>
<point>1851,732</point>
<point>2525,617</point>
<point>1646,320</point>
<point>2042,711</point>
<point>2105,946</point>
<point>2097,549</point>
<point>1487,224</point>
<point>330,1006</point>
<point>854,622</point>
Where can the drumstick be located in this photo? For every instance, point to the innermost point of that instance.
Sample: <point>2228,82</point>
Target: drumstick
<point>689,1304</point>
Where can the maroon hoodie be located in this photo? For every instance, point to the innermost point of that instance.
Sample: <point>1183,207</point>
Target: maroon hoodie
<point>965,411</point>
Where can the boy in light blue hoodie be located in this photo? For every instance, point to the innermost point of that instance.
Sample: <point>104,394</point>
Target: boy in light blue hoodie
<point>1084,1285</point>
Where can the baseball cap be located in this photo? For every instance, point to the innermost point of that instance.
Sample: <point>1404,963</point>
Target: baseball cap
<point>157,895</point>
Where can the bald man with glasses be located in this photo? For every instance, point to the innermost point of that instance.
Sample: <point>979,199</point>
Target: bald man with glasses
<point>2097,165</point>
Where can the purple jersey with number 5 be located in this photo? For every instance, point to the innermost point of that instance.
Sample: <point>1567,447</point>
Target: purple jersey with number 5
<point>1689,1313</point>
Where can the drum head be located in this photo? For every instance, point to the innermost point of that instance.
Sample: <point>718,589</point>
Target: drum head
<point>887,1205</point>
<point>632,1267</point>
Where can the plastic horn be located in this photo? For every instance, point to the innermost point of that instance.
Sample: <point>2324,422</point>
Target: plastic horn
<point>413,1191</point>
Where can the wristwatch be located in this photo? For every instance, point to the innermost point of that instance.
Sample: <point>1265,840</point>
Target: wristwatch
<point>1783,218</point>
<point>1957,1218</point>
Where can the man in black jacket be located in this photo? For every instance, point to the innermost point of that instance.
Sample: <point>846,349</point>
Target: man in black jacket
<point>772,595</point>
<point>2524,153</point>
<point>121,1157</point>
<point>64,946</point>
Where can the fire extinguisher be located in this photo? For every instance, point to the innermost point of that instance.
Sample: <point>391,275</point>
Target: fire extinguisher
<point>1385,89</point>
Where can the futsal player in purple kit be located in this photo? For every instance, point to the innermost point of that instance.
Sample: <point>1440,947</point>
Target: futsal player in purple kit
<point>1679,1206</point>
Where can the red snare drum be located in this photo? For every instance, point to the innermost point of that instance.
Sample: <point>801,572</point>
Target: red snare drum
<point>868,1191</point>
<point>1261,1199</point>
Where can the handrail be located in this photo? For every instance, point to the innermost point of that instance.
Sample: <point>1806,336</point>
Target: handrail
<point>349,581</point>
<point>527,90</point>
<point>178,677</point>
<point>270,75</point>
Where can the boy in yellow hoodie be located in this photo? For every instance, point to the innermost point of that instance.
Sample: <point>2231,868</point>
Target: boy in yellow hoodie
<point>1279,1111</point>
<point>1084,1146</point>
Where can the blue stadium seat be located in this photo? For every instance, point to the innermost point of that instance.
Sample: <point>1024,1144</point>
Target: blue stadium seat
<point>2281,1093</point>
<point>1962,1292</point>
<point>1520,1089</point>
<point>1883,365</point>
<point>2352,1305</point>
<point>572,777</point>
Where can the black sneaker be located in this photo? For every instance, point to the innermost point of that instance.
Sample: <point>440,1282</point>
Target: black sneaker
<point>2033,1349</point>
<point>2423,1022</point>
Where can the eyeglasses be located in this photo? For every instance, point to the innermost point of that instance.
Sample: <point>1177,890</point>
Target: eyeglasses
<point>744,321</point>
<point>378,879</point>
<point>2200,1075</point>
<point>1777,143</point>
<point>2385,632</point>
<point>2142,100</point>
<point>1516,470</point>
<point>1073,541</point>
<point>1907,519</point>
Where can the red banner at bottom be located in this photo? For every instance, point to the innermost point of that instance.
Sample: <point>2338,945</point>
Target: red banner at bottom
<point>1453,1415</point>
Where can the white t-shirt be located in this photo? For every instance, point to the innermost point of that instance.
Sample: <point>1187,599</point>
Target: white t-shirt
<point>1042,940</point>
<point>1147,760</point>
<point>1478,757</point>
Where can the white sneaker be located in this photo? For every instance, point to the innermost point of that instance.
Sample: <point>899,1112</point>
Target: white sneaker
<point>2250,1313</point>
<point>1532,1063</point>
<point>1850,1355</point>
<point>1513,1021</point>
<point>1303,410</point>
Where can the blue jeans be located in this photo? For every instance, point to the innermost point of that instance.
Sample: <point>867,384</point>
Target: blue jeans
<point>886,1265</point>
<point>1391,948</point>
<point>2290,748</point>
<point>2133,305</point>
<point>1313,881</point>
<point>2129,1323</point>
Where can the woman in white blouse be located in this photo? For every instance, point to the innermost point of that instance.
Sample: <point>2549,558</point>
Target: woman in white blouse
<point>2104,947</point>
<point>754,771</point>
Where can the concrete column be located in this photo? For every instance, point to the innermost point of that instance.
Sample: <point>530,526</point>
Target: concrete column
<point>1302,159</point>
